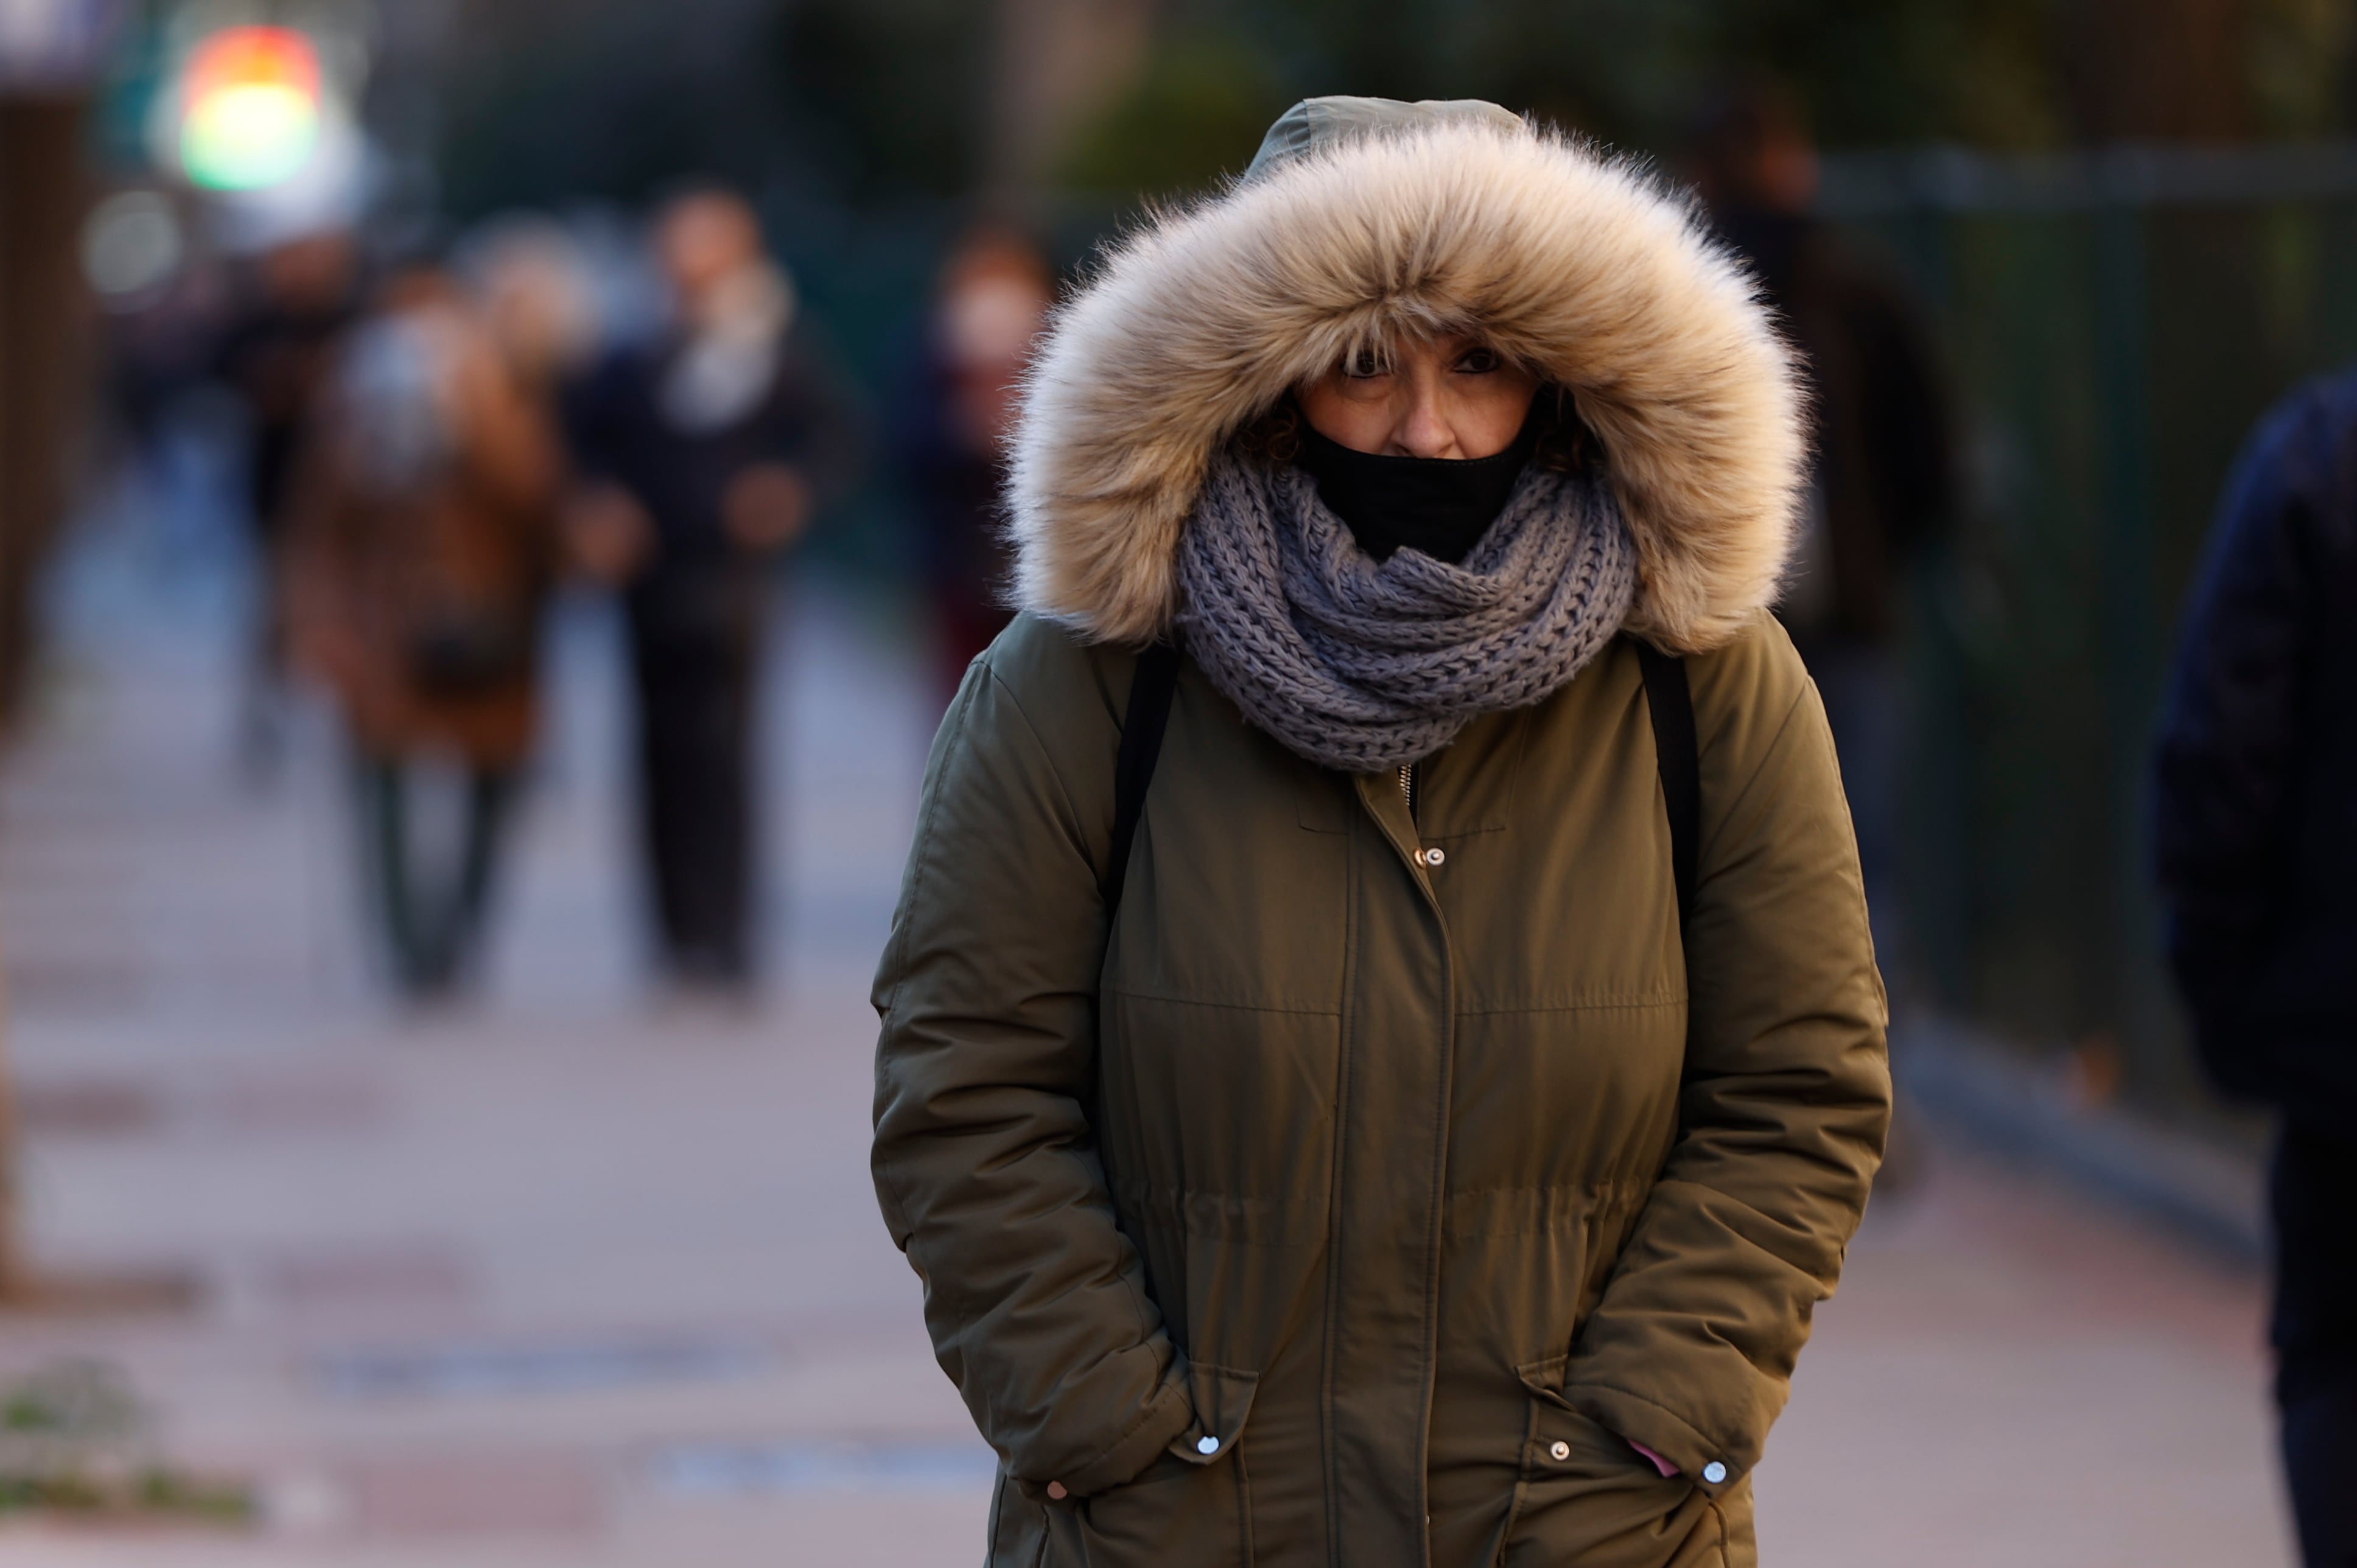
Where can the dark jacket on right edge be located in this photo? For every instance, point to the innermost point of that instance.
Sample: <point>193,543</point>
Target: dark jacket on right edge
<point>2256,807</point>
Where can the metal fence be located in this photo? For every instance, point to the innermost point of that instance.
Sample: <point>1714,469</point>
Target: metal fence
<point>2115,321</point>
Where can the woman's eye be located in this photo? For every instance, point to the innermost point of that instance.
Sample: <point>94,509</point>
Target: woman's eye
<point>1366,362</point>
<point>1480,362</point>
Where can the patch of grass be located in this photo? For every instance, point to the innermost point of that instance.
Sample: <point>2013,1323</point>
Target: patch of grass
<point>73,1446</point>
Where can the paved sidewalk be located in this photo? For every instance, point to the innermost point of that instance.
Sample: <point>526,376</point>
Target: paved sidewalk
<point>569,1277</point>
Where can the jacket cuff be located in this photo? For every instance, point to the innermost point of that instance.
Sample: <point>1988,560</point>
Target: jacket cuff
<point>1641,1420</point>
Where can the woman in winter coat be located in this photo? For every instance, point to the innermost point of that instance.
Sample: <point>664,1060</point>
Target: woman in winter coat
<point>419,560</point>
<point>1371,1162</point>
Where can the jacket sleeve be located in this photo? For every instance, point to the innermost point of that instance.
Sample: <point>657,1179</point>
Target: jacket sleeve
<point>984,1159</point>
<point>1786,1096</point>
<point>2225,759</point>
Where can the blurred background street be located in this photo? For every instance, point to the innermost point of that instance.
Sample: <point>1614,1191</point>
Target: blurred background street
<point>495,497</point>
<point>573,1277</point>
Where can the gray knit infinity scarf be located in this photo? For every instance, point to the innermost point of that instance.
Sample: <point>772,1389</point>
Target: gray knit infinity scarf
<point>1364,666</point>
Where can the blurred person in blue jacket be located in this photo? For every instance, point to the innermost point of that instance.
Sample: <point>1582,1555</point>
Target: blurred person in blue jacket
<point>2256,828</point>
<point>697,450</point>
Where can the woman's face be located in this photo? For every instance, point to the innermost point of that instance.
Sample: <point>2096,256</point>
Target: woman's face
<point>1440,397</point>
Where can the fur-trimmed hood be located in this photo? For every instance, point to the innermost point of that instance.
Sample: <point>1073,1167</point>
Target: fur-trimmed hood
<point>1578,264</point>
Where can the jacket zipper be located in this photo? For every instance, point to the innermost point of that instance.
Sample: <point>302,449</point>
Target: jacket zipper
<point>1407,783</point>
<point>1408,779</point>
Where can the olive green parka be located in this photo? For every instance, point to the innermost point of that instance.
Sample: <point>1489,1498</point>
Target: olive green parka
<point>1359,1191</point>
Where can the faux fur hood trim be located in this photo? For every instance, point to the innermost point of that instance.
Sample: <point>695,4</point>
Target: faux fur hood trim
<point>1576,264</point>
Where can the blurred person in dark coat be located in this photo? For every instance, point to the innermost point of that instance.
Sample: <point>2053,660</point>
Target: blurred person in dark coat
<point>698,451</point>
<point>1884,477</point>
<point>994,297</point>
<point>420,548</point>
<point>297,301</point>
<point>2256,836</point>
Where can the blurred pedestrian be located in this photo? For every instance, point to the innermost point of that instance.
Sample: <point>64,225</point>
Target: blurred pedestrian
<point>697,452</point>
<point>530,290</point>
<point>994,297</point>
<point>420,546</point>
<point>2255,808</point>
<point>176,458</point>
<point>289,319</point>
<point>1882,487</point>
<point>1382,1050</point>
<point>165,337</point>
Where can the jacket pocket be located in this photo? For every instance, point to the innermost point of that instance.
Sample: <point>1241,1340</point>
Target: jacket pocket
<point>1586,1497</point>
<point>1192,1508</point>
<point>1018,1527</point>
<point>1733,1507</point>
<point>1176,1515</point>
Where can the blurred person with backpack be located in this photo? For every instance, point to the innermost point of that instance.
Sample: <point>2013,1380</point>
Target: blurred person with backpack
<point>1380,1047</point>
<point>699,454</point>
<point>2256,812</point>
<point>421,548</point>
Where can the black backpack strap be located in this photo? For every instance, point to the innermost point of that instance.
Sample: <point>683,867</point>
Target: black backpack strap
<point>1150,690</point>
<point>1680,757</point>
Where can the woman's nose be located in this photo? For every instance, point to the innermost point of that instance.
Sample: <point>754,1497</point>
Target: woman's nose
<point>1423,430</point>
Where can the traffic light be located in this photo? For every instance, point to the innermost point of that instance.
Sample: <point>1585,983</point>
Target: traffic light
<point>251,108</point>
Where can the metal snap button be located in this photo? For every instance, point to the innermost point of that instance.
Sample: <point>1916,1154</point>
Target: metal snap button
<point>1713,1472</point>
<point>1206,1446</point>
<point>1559,1449</point>
<point>1435,856</point>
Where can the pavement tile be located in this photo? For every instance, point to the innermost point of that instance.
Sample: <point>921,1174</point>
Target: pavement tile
<point>473,1495</point>
<point>427,1280</point>
<point>87,1107</point>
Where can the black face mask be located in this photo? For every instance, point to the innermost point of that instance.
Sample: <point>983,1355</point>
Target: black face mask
<point>1441,506</point>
